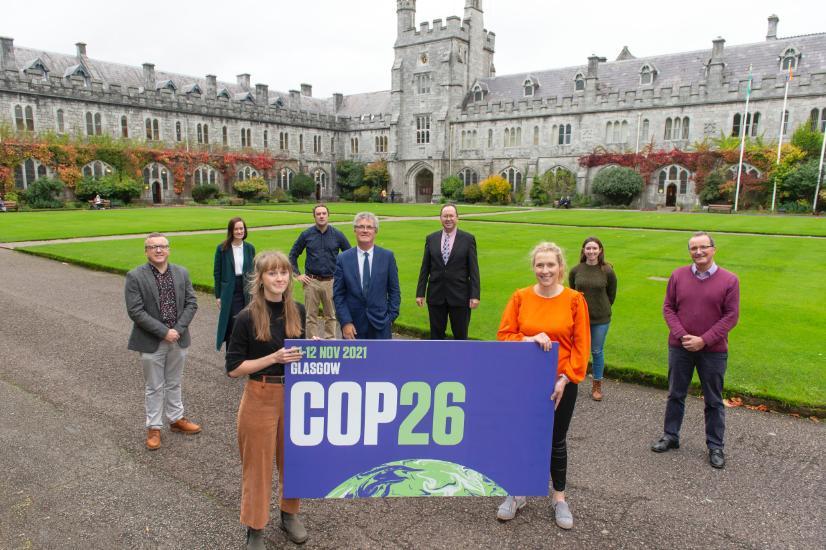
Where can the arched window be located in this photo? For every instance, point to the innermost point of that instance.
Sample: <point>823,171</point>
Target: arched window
<point>29,113</point>
<point>490,138</point>
<point>61,123</point>
<point>152,130</point>
<point>748,170</point>
<point>90,123</point>
<point>27,172</point>
<point>19,122</point>
<point>205,175</point>
<point>529,86</point>
<point>98,125</point>
<point>96,169</point>
<point>609,126</point>
<point>224,136</point>
<point>507,141</point>
<point>685,127</point>
<point>320,178</point>
<point>579,82</point>
<point>667,133</point>
<point>752,123</point>
<point>788,59</point>
<point>513,176</point>
<point>735,125</point>
<point>617,137</point>
<point>246,137</point>
<point>468,176</point>
<point>156,172</point>
<point>283,141</point>
<point>673,175</point>
<point>646,75</point>
<point>199,130</point>
<point>246,172</point>
<point>124,127</point>
<point>266,139</point>
<point>644,130</point>
<point>535,135</point>
<point>564,134</point>
<point>285,179</point>
<point>813,117</point>
<point>178,134</point>
<point>785,122</point>
<point>354,145</point>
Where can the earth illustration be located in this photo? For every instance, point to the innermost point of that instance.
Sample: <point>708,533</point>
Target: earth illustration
<point>418,477</point>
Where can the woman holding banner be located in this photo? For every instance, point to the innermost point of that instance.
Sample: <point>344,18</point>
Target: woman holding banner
<point>548,312</point>
<point>598,282</point>
<point>257,349</point>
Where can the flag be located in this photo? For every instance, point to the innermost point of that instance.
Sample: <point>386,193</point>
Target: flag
<point>790,76</point>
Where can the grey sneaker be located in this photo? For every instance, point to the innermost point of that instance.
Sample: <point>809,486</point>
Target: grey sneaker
<point>507,510</point>
<point>294,528</point>
<point>255,539</point>
<point>563,515</point>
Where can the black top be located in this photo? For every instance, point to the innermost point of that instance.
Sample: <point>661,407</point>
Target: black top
<point>243,344</point>
<point>322,249</point>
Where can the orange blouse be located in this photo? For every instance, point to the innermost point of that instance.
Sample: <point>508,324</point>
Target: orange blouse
<point>564,318</point>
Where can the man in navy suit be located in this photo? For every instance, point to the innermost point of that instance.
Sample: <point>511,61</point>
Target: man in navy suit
<point>449,277</point>
<point>366,285</point>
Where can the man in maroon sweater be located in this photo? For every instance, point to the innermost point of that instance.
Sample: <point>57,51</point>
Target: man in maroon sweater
<point>702,304</point>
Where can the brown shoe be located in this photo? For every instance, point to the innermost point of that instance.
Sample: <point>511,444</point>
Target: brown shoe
<point>596,390</point>
<point>185,426</point>
<point>153,439</point>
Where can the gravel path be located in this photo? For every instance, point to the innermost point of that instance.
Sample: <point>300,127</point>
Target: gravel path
<point>76,474</point>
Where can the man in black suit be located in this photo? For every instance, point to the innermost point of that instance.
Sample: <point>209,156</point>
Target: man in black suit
<point>449,277</point>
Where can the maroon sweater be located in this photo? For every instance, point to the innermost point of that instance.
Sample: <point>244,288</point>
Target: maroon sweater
<point>708,309</point>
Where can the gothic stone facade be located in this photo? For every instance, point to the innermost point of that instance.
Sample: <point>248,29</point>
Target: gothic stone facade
<point>446,112</point>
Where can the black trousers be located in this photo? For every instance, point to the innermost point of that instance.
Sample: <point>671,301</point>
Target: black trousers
<point>235,307</point>
<point>711,369</point>
<point>559,448</point>
<point>459,321</point>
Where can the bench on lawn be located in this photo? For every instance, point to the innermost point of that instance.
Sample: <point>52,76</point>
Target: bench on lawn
<point>720,208</point>
<point>11,206</point>
<point>104,203</point>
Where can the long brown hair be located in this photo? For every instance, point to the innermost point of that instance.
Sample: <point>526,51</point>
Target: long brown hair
<point>600,259</point>
<point>230,227</point>
<point>269,261</point>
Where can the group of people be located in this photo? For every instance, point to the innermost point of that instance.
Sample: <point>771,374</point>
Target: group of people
<point>354,293</point>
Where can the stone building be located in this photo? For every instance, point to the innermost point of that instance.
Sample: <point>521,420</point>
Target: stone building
<point>447,111</point>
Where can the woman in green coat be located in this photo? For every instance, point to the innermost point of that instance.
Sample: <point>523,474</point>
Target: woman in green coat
<point>233,267</point>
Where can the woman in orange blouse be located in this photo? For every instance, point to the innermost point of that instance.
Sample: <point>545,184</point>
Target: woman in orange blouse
<point>543,313</point>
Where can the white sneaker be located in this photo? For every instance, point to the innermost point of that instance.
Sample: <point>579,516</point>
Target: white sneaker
<point>562,515</point>
<point>507,510</point>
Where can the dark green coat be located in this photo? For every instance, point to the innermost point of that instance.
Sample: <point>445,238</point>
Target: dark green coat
<point>224,276</point>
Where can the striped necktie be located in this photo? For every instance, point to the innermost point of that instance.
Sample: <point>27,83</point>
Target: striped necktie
<point>445,248</point>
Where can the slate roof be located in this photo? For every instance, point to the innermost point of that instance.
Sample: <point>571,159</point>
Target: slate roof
<point>356,105</point>
<point>679,69</point>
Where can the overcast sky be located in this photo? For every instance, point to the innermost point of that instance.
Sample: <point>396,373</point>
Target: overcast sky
<point>340,46</point>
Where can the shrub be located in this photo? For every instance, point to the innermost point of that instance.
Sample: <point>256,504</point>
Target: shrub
<point>202,193</point>
<point>376,175</point>
<point>495,190</point>
<point>350,175</point>
<point>125,189</point>
<point>808,139</point>
<point>362,194</point>
<point>12,196</point>
<point>450,186</point>
<point>538,194</point>
<point>251,188</point>
<point>88,187</point>
<point>43,193</point>
<point>302,186</point>
<point>618,185</point>
<point>712,191</point>
<point>800,184</point>
<point>472,193</point>
<point>279,195</point>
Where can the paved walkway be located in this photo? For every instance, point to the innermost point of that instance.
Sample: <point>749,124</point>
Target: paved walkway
<point>76,474</point>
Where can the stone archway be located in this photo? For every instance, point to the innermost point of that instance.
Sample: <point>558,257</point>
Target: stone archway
<point>424,186</point>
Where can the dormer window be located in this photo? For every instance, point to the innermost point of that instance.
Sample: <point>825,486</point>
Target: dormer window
<point>278,103</point>
<point>37,67</point>
<point>165,85</point>
<point>789,59</point>
<point>223,93</point>
<point>530,85</point>
<point>193,89</point>
<point>478,92</point>
<point>76,70</point>
<point>579,82</point>
<point>646,75</point>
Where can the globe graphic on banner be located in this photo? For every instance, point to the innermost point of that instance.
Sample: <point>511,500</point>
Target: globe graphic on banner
<point>418,477</point>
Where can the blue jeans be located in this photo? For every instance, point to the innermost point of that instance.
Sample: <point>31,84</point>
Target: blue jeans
<point>598,334</point>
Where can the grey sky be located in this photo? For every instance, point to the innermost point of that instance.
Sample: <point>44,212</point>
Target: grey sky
<point>347,47</point>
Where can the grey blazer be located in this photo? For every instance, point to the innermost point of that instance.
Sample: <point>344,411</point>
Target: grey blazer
<point>143,307</point>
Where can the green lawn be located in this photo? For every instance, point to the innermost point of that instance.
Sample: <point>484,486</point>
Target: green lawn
<point>785,365</point>
<point>383,209</point>
<point>30,226</point>
<point>735,223</point>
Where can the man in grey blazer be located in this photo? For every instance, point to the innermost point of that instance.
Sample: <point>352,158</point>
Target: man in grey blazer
<point>161,302</point>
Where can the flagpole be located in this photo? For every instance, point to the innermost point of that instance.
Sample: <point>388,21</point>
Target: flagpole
<point>742,142</point>
<point>780,132</point>
<point>819,172</point>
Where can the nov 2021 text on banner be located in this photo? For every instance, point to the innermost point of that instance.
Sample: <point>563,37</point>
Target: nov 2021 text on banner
<point>380,418</point>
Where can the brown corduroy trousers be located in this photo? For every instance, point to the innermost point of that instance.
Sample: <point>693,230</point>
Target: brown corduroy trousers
<point>260,436</point>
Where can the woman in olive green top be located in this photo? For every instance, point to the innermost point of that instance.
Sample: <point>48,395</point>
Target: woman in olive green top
<point>597,280</point>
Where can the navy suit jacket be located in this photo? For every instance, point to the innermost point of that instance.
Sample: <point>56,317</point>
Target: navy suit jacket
<point>379,307</point>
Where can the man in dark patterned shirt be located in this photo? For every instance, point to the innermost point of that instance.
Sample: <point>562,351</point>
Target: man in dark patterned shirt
<point>161,302</point>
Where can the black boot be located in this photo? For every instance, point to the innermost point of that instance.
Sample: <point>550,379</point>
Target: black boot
<point>255,539</point>
<point>294,528</point>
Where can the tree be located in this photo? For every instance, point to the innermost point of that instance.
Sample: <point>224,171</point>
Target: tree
<point>496,190</point>
<point>552,186</point>
<point>809,140</point>
<point>618,185</point>
<point>202,193</point>
<point>302,186</point>
<point>251,188</point>
<point>350,175</point>
<point>376,175</point>
<point>43,193</point>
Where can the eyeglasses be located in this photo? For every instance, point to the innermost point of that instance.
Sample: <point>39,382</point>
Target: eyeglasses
<point>364,228</point>
<point>157,247</point>
<point>701,248</point>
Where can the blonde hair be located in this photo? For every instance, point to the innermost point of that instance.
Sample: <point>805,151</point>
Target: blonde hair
<point>553,248</point>
<point>259,313</point>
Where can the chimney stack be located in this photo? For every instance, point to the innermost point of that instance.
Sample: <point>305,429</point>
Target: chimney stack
<point>149,77</point>
<point>593,65</point>
<point>244,81</point>
<point>81,49</point>
<point>262,94</point>
<point>211,86</point>
<point>338,100</point>
<point>717,49</point>
<point>771,33</point>
<point>7,60</point>
<point>307,90</point>
<point>295,100</point>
